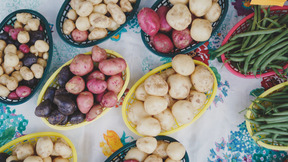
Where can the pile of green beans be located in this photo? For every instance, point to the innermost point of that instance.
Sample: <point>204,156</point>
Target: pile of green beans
<point>271,117</point>
<point>263,45</point>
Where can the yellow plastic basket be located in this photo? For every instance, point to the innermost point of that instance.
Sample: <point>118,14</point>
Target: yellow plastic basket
<point>130,99</point>
<point>33,138</point>
<point>251,127</point>
<point>52,82</point>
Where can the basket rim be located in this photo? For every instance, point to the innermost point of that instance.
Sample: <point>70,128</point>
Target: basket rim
<point>41,134</point>
<point>248,115</point>
<point>112,33</point>
<point>53,77</point>
<point>223,58</point>
<point>158,69</point>
<point>172,54</point>
<point>133,144</point>
<point>47,27</point>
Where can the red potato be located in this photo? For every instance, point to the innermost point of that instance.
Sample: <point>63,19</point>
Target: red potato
<point>13,96</point>
<point>99,97</point>
<point>131,160</point>
<point>162,12</point>
<point>14,33</point>
<point>75,85</point>
<point>96,75</point>
<point>162,43</point>
<point>112,66</point>
<point>98,54</point>
<point>79,36</point>
<point>94,112</point>
<point>181,39</point>
<point>23,91</point>
<point>115,83</point>
<point>81,65</point>
<point>109,99</point>
<point>149,21</point>
<point>96,86</point>
<point>85,101</point>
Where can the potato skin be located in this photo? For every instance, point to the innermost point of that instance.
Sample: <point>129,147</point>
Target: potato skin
<point>109,99</point>
<point>66,105</point>
<point>214,12</point>
<point>181,39</point>
<point>116,13</point>
<point>115,83</point>
<point>200,7</point>
<point>202,79</point>
<point>162,43</point>
<point>162,12</point>
<point>179,17</point>
<point>75,85</point>
<point>155,85</point>
<point>175,150</point>
<point>81,65</point>
<point>197,99</point>
<point>166,119</point>
<point>146,144</point>
<point>96,75</point>
<point>149,127</point>
<point>94,112</point>
<point>96,86</point>
<point>183,64</point>
<point>201,30</point>
<point>44,147</point>
<point>98,54</point>
<point>112,66</point>
<point>136,112</point>
<point>149,21</point>
<point>161,149</point>
<point>182,110</point>
<point>153,158</point>
<point>136,154</point>
<point>85,101</point>
<point>79,36</point>
<point>24,150</point>
<point>155,104</point>
<point>140,92</point>
<point>179,86</point>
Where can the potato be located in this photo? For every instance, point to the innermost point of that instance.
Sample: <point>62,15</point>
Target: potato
<point>94,112</point>
<point>72,15</point>
<point>110,1</point>
<point>202,79</point>
<point>99,97</point>
<point>11,59</point>
<point>23,91</point>
<point>137,113</point>
<point>79,36</point>
<point>26,73</point>
<point>17,75</point>
<point>44,147</point>
<point>59,159</point>
<point>42,62</point>
<point>200,7</point>
<point>81,65</point>
<point>114,26</point>
<point>214,12</point>
<point>116,13</point>
<point>95,2</point>
<point>85,101</point>
<point>162,43</point>
<point>162,12</point>
<point>201,30</point>
<point>47,159</point>
<point>37,70</point>
<point>179,17</point>
<point>98,54</point>
<point>100,8</point>
<point>112,66</point>
<point>126,6</point>
<point>179,86</point>
<point>96,75</point>
<point>115,83</point>
<point>33,159</point>
<point>99,20</point>
<point>85,9</point>
<point>4,91</point>
<point>2,45</point>
<point>183,64</point>
<point>62,149</point>
<point>181,39</point>
<point>149,21</point>
<point>178,1</point>
<point>166,119</point>
<point>155,104</point>
<point>33,24</point>
<point>156,85</point>
<point>82,23</point>
<point>4,79</point>
<point>109,99</point>
<point>23,37</point>
<point>197,99</point>
<point>10,48</point>
<point>8,69</point>
<point>182,110</point>
<point>1,71</point>
<point>41,46</point>
<point>171,160</point>
<point>68,26</point>
<point>11,158</point>
<point>23,17</point>
<point>75,4</point>
<point>135,154</point>
<point>20,54</point>
<point>97,33</point>
<point>149,127</point>
<point>75,85</point>
<point>140,92</point>
<point>153,158</point>
<point>169,100</point>
<point>146,144</point>
<point>24,150</point>
<point>18,24</point>
<point>96,86</point>
<point>165,74</point>
<point>12,83</point>
<point>175,151</point>
<point>27,28</point>
<point>161,149</point>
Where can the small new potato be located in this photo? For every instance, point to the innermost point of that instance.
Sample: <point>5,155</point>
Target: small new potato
<point>214,12</point>
<point>1,70</point>
<point>140,93</point>
<point>24,150</point>
<point>11,59</point>
<point>109,99</point>
<point>162,43</point>
<point>197,99</point>
<point>47,159</point>
<point>23,17</point>
<point>79,36</point>
<point>178,1</point>
<point>166,119</point>
<point>116,13</point>
<point>3,79</point>
<point>12,83</point>
<point>161,149</point>
<point>179,17</point>
<point>99,20</point>
<point>23,91</point>
<point>115,83</point>
<point>23,37</point>
<point>175,151</point>
<point>110,1</point>
<point>59,159</point>
<point>95,111</point>
<point>171,160</point>
<point>100,8</point>
<point>41,46</point>
<point>179,86</point>
<point>11,158</point>
<point>33,159</point>
<point>146,144</point>
<point>18,24</point>
<point>4,91</point>
<point>182,110</point>
<point>97,33</point>
<point>170,100</point>
<point>112,66</point>
<point>156,85</point>
<point>155,104</point>
<point>68,26</point>
<point>149,127</point>
<point>2,45</point>
<point>165,74</point>
<point>33,24</point>
<point>96,75</point>
<point>162,12</point>
<point>201,30</point>
<point>26,73</point>
<point>98,54</point>
<point>20,54</point>
<point>96,86</point>
<point>200,7</point>
<point>183,64</point>
<point>10,48</point>
<point>62,149</point>
<point>136,154</point>
<point>75,4</point>
<point>126,6</point>
<point>44,147</point>
<point>17,75</point>
<point>72,15</point>
<point>42,62</point>
<point>8,69</point>
<point>85,101</point>
<point>202,79</point>
<point>95,2</point>
<point>82,23</point>
<point>37,70</point>
<point>153,158</point>
<point>75,85</point>
<point>137,113</point>
<point>149,21</point>
<point>114,26</point>
<point>182,38</point>
<point>81,65</point>
<point>85,9</point>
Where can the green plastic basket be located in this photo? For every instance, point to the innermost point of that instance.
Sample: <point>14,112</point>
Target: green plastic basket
<point>120,154</point>
<point>68,39</point>
<point>9,20</point>
<point>146,38</point>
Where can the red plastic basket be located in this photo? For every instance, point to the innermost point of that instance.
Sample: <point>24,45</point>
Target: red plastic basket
<point>240,27</point>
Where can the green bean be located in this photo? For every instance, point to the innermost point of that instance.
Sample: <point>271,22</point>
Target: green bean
<point>275,66</point>
<point>281,113</point>
<point>282,58</point>
<point>274,56</point>
<point>277,94</point>
<point>246,64</point>
<point>283,19</point>
<point>275,131</point>
<point>237,59</point>
<point>276,125</point>
<point>272,119</point>
<point>277,72</point>
<point>225,46</point>
<point>274,40</point>
<point>228,49</point>
<point>272,21</point>
<point>274,137</point>
<point>282,139</point>
<point>260,133</point>
<point>253,121</point>
<point>259,105</point>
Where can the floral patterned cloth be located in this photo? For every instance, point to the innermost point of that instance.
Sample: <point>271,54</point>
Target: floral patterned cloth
<point>219,135</point>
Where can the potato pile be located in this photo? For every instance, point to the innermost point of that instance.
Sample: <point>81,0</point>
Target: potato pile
<point>176,93</point>
<point>84,89</point>
<point>23,56</point>
<point>150,150</point>
<point>45,150</point>
<point>92,19</point>
<point>182,23</point>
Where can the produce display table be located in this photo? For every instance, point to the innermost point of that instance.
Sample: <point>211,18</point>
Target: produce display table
<point>219,135</point>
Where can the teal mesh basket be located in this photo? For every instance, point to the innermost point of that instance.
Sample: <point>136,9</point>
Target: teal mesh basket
<point>120,154</point>
<point>9,20</point>
<point>61,17</point>
<point>146,38</point>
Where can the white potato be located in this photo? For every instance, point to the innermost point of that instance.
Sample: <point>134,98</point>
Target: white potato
<point>201,30</point>
<point>4,79</point>
<point>149,127</point>
<point>33,24</point>
<point>23,37</point>
<point>18,24</point>
<point>126,6</point>
<point>11,59</point>
<point>62,148</point>
<point>146,144</point>
<point>4,91</point>
<point>183,64</point>
<point>110,1</point>
<point>200,7</point>
<point>41,46</point>
<point>8,69</point>
<point>27,28</point>
<point>95,2</point>
<point>2,45</point>
<point>97,33</point>
<point>175,151</point>
<point>165,74</point>
<point>47,159</point>
<point>114,26</point>
<point>99,20</point>
<point>202,79</point>
<point>140,92</point>
<point>153,158</point>
<point>72,15</point>
<point>82,23</point>
<point>68,26</point>
<point>17,75</point>
<point>197,99</point>
<point>178,1</point>
<point>11,158</point>
<point>155,104</point>
<point>20,54</point>
<point>169,100</point>
<point>23,17</point>
<point>161,149</point>
<point>182,110</point>
<point>214,12</point>
<point>24,150</point>
<point>75,3</point>
<point>179,86</point>
<point>1,70</point>
<point>155,85</point>
<point>10,48</point>
<point>44,147</point>
<point>26,73</point>
<point>33,159</point>
<point>132,1</point>
<point>171,160</point>
<point>59,159</point>
<point>85,9</point>
<point>136,154</point>
<point>100,8</point>
<point>137,113</point>
<point>12,83</point>
<point>116,13</point>
<point>166,119</point>
<point>179,17</point>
